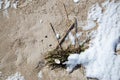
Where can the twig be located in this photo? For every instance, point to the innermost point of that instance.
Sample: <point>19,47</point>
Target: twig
<point>66,11</point>
<point>76,30</point>
<point>55,36</point>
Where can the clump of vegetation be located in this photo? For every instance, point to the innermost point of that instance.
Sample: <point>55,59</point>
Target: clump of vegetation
<point>57,57</point>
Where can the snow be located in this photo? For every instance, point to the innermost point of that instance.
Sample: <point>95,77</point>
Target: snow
<point>118,47</point>
<point>100,59</point>
<point>40,75</point>
<point>1,4</point>
<point>76,1</point>
<point>95,12</point>
<point>78,35</point>
<point>73,59</point>
<point>92,34</point>
<point>93,16</point>
<point>15,4</point>
<point>16,76</point>
<point>7,4</point>
<point>72,38</point>
<point>91,24</point>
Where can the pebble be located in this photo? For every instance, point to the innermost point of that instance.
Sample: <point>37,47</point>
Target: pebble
<point>76,1</point>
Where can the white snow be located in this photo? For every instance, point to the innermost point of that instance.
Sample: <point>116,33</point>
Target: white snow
<point>91,24</point>
<point>1,2</point>
<point>72,38</point>
<point>76,1</point>
<point>100,60</point>
<point>118,47</point>
<point>95,13</point>
<point>16,76</point>
<point>92,34</point>
<point>93,16</point>
<point>7,4</point>
<point>73,59</point>
<point>40,75</point>
<point>14,5</point>
<point>78,35</point>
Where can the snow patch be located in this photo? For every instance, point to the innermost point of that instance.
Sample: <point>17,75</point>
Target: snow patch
<point>118,47</point>
<point>73,59</point>
<point>91,24</point>
<point>1,2</point>
<point>72,38</point>
<point>100,60</point>
<point>16,76</point>
<point>7,4</point>
<point>40,75</point>
<point>93,15</point>
<point>78,35</point>
<point>15,5</point>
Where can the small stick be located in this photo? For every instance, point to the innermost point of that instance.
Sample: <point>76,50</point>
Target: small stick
<point>76,25</point>
<point>76,30</point>
<point>55,36</point>
<point>66,11</point>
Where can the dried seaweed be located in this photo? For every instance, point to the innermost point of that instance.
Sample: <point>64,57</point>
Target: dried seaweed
<point>61,55</point>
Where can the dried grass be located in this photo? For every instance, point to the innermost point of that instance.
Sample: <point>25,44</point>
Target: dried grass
<point>61,55</point>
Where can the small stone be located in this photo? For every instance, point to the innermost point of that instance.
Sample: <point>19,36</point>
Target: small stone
<point>41,21</point>
<point>42,40</point>
<point>50,45</point>
<point>46,36</point>
<point>76,1</point>
<point>58,36</point>
<point>57,61</point>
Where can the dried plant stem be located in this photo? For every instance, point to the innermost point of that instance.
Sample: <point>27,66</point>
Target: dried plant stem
<point>76,30</point>
<point>66,12</point>
<point>55,35</point>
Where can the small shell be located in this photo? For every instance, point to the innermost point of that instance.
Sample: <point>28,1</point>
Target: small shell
<point>57,61</point>
<point>76,1</point>
<point>58,36</point>
<point>41,21</point>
